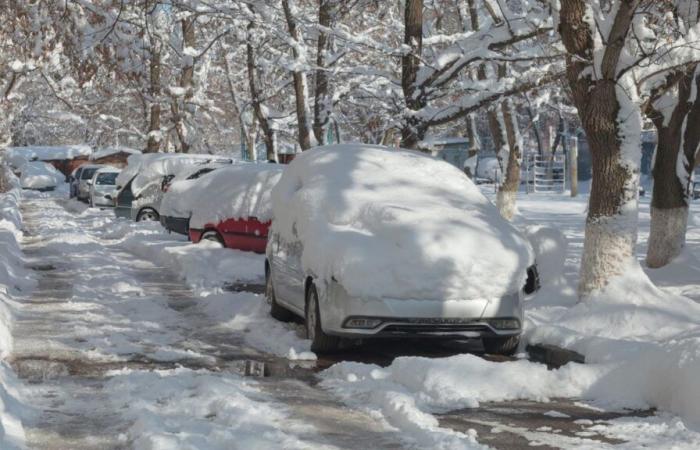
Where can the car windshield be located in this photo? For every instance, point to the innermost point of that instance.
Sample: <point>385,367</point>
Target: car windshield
<point>109,178</point>
<point>88,174</point>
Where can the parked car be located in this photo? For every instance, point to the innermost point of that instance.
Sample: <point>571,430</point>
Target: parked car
<point>39,176</point>
<point>176,205</point>
<point>359,251</point>
<point>79,181</point>
<point>103,187</point>
<point>232,206</point>
<point>140,185</point>
<point>696,190</point>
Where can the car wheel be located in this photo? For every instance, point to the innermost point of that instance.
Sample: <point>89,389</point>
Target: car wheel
<point>147,215</point>
<point>506,346</point>
<point>213,236</point>
<point>276,311</point>
<point>320,341</point>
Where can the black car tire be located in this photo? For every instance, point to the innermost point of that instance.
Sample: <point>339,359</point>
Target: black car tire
<point>320,341</point>
<point>276,311</point>
<point>213,236</point>
<point>506,346</point>
<point>146,212</point>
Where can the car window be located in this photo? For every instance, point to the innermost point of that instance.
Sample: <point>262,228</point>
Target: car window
<point>199,173</point>
<point>88,173</point>
<point>109,178</point>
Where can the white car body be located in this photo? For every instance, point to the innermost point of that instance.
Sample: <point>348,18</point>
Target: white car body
<point>83,176</point>
<point>415,251</point>
<point>103,187</point>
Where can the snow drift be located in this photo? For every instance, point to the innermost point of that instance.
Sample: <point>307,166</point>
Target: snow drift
<point>14,278</point>
<point>398,224</point>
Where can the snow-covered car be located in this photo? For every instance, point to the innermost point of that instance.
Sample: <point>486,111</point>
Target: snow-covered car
<point>153,181</point>
<point>140,185</point>
<point>80,180</point>
<point>39,176</point>
<point>177,203</point>
<point>103,187</point>
<point>232,206</point>
<point>371,241</point>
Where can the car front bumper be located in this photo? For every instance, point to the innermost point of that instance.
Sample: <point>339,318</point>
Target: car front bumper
<point>419,318</point>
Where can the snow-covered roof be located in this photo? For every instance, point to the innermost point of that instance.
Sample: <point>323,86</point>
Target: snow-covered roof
<point>16,155</point>
<point>396,223</point>
<point>238,191</point>
<point>109,151</point>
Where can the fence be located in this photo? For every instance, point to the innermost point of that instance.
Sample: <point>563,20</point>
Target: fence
<point>545,174</point>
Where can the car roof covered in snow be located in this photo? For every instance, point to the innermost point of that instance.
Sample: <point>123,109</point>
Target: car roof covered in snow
<point>398,224</point>
<point>144,169</point>
<point>39,175</point>
<point>239,191</point>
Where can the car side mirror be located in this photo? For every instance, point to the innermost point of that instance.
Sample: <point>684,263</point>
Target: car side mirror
<point>89,182</point>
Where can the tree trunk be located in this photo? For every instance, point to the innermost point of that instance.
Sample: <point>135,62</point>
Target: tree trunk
<point>263,121</point>
<point>611,224</point>
<point>300,82</point>
<point>154,132</point>
<point>413,130</point>
<point>323,99</point>
<point>508,190</point>
<point>179,106</point>
<point>671,194</point>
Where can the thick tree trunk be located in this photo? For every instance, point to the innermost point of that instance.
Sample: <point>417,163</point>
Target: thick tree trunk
<point>677,142</point>
<point>611,225</point>
<point>263,121</point>
<point>179,106</point>
<point>413,130</point>
<point>300,82</point>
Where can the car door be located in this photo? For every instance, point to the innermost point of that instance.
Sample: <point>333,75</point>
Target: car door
<point>283,274</point>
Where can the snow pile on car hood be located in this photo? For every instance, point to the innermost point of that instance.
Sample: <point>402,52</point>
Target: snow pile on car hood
<point>152,168</point>
<point>396,223</point>
<point>39,175</point>
<point>236,192</point>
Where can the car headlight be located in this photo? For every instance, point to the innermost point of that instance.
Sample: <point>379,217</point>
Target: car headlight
<point>362,322</point>
<point>505,324</point>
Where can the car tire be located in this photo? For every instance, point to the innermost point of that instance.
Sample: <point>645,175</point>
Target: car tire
<point>276,311</point>
<point>213,236</point>
<point>506,346</point>
<point>147,215</point>
<point>320,341</point>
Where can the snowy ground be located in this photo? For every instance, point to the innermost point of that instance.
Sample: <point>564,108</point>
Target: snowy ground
<point>130,341</point>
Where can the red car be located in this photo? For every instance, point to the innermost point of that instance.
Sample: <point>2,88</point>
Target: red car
<point>249,235</point>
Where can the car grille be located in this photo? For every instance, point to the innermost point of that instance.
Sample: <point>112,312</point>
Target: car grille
<point>433,328</point>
